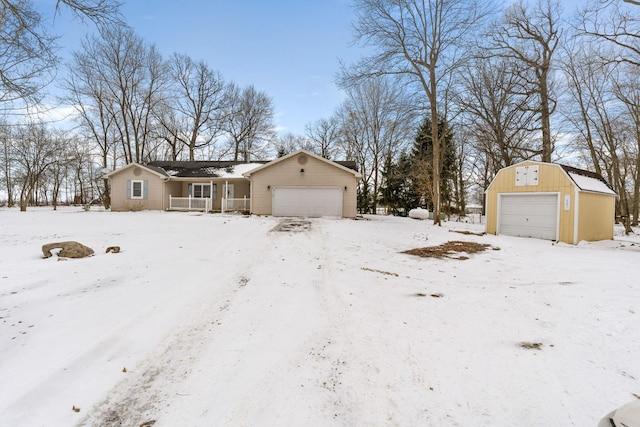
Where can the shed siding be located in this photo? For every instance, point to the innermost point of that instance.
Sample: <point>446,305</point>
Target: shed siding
<point>286,173</point>
<point>551,179</point>
<point>596,216</point>
<point>119,200</point>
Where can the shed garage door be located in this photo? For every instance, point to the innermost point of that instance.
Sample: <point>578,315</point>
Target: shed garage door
<point>307,201</point>
<point>530,215</point>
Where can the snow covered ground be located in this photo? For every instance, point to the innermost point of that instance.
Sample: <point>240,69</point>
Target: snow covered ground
<point>208,320</point>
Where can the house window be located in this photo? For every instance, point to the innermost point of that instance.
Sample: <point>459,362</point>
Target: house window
<point>136,189</point>
<point>203,191</point>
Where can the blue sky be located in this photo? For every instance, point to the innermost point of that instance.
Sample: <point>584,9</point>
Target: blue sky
<point>286,48</point>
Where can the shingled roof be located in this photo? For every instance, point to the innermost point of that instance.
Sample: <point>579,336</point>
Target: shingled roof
<point>199,169</point>
<point>213,169</point>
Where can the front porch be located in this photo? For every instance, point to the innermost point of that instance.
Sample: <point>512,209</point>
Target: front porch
<point>211,196</point>
<point>189,204</point>
<point>205,205</point>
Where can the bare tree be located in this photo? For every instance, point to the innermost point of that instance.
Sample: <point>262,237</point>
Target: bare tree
<point>249,122</point>
<point>34,151</point>
<point>198,100</point>
<point>26,54</point>
<point>383,116</point>
<point>6,159</point>
<point>583,76</point>
<point>169,131</point>
<point>323,134</point>
<point>127,79</point>
<point>354,144</point>
<point>87,92</point>
<point>617,25</point>
<point>290,142</point>
<point>27,49</point>
<point>530,36</point>
<point>627,90</point>
<point>609,130</point>
<point>101,12</point>
<point>422,40</point>
<point>499,117</point>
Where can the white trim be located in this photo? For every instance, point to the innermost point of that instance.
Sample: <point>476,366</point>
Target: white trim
<point>133,182</point>
<point>130,165</point>
<point>576,214</point>
<point>202,186</point>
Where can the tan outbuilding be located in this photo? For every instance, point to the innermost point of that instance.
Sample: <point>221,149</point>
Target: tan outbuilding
<point>304,184</point>
<point>550,201</point>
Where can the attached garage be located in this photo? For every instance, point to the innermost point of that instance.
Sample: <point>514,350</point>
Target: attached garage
<point>550,201</point>
<point>307,201</point>
<point>304,184</point>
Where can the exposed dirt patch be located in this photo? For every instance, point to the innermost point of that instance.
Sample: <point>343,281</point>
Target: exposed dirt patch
<point>293,226</point>
<point>422,294</point>
<point>531,345</point>
<point>454,250</point>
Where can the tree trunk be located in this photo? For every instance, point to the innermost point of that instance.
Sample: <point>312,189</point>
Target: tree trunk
<point>545,118</point>
<point>436,143</point>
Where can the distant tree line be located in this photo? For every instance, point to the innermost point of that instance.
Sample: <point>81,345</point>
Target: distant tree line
<point>450,92</point>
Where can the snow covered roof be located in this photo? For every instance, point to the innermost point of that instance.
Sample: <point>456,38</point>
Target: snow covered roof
<point>205,169</point>
<point>588,181</point>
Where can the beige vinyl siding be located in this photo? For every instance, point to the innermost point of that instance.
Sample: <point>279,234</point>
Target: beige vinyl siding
<point>287,173</point>
<point>551,179</point>
<point>173,188</point>
<point>119,200</point>
<point>593,208</point>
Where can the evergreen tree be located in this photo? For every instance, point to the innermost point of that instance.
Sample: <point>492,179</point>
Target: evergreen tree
<point>398,189</point>
<point>422,160</point>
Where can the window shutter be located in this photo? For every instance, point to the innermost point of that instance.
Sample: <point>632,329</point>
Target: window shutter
<point>214,191</point>
<point>145,189</point>
<point>128,189</point>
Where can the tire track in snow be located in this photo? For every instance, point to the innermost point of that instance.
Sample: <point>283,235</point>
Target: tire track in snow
<point>265,377</point>
<point>140,396</point>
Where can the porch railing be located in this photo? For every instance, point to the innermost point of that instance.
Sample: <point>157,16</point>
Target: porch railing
<point>189,204</point>
<point>229,205</point>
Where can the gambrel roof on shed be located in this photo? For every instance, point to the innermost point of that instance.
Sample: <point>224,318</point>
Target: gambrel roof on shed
<point>550,201</point>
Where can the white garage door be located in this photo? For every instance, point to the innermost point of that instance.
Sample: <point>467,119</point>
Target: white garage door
<point>307,201</point>
<point>530,215</point>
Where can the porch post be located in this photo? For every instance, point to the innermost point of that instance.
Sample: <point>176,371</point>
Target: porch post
<point>226,194</point>
<point>170,203</point>
<point>210,196</point>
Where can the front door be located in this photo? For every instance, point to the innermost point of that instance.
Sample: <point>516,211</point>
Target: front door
<point>229,191</point>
